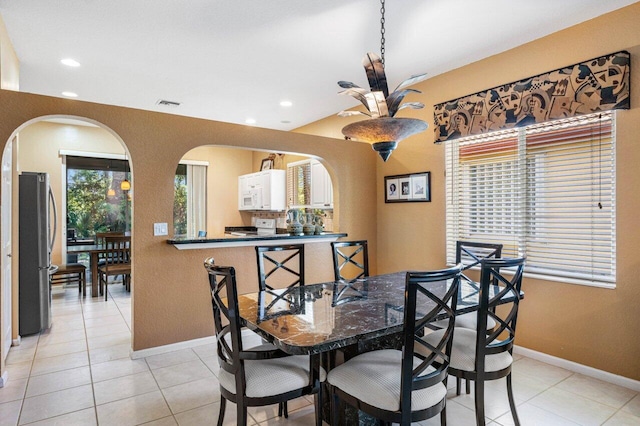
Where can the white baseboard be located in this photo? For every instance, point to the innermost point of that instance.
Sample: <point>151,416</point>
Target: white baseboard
<point>172,347</point>
<point>157,350</point>
<point>579,368</point>
<point>16,342</point>
<point>4,378</point>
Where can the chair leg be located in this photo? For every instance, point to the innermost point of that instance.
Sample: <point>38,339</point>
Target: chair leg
<point>241,416</point>
<point>458,385</point>
<point>468,386</point>
<point>479,400</point>
<point>335,408</point>
<point>223,406</point>
<point>280,409</point>
<point>512,402</point>
<point>285,409</point>
<point>106,284</point>
<point>317,399</point>
<point>443,416</point>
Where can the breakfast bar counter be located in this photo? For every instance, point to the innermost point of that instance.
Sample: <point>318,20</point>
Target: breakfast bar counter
<point>228,240</point>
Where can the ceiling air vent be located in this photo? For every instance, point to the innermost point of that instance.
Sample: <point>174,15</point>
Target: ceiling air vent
<point>163,102</point>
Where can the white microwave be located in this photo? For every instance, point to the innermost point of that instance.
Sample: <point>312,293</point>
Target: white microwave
<point>251,199</point>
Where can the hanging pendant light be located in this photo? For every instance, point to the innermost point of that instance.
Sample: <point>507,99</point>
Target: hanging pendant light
<point>383,130</point>
<point>125,185</point>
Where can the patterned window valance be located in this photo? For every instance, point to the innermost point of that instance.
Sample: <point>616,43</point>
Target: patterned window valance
<point>600,84</point>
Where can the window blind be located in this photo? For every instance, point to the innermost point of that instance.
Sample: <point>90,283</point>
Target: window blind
<point>545,191</point>
<point>299,183</point>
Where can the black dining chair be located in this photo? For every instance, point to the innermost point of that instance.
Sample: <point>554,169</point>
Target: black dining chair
<point>350,260</point>
<point>259,375</point>
<point>350,263</point>
<point>280,266</point>
<point>407,385</point>
<point>480,355</point>
<point>469,254</point>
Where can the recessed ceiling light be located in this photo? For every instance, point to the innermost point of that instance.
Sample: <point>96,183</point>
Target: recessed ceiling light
<point>250,121</point>
<point>70,94</point>
<point>70,62</point>
<point>286,103</point>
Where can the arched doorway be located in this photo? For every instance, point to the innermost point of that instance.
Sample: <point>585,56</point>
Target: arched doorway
<point>45,144</point>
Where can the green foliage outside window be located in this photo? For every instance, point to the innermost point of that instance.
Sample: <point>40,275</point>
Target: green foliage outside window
<point>180,204</point>
<point>89,208</point>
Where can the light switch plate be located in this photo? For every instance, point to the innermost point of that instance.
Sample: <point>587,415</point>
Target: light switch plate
<point>160,229</point>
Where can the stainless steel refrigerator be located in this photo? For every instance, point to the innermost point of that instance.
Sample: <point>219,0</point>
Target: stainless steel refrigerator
<point>36,237</point>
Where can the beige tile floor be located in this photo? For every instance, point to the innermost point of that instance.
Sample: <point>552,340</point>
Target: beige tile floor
<point>79,373</point>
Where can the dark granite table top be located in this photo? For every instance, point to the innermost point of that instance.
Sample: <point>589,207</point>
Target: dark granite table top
<point>323,317</point>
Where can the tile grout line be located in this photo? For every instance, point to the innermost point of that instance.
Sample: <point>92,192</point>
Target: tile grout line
<point>93,390</point>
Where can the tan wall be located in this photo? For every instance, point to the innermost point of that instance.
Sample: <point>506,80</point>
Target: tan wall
<point>591,326</point>
<point>170,298</point>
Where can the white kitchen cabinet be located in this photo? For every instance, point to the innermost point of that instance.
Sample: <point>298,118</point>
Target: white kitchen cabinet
<point>321,186</point>
<point>263,190</point>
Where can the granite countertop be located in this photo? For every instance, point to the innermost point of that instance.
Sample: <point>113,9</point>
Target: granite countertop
<point>229,240</point>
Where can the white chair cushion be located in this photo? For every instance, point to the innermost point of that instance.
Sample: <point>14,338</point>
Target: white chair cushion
<point>374,378</point>
<point>470,321</point>
<point>463,351</point>
<point>271,376</point>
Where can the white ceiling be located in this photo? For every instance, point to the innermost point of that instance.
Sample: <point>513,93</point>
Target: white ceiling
<point>233,60</point>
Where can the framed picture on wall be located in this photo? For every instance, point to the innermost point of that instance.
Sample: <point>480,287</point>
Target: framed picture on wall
<point>267,164</point>
<point>419,187</point>
<point>405,188</point>
<point>415,187</point>
<point>393,190</point>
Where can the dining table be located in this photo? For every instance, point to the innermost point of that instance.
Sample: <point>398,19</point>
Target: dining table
<point>94,251</point>
<point>346,316</point>
<point>323,317</point>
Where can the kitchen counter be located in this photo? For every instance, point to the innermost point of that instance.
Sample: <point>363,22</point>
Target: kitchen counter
<point>229,240</point>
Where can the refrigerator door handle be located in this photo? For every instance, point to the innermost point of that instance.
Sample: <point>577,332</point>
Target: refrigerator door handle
<point>55,224</point>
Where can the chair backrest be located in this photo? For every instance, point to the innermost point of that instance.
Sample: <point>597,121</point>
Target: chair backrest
<point>280,266</point>
<point>350,260</point>
<point>226,317</point>
<point>471,253</point>
<point>101,236</point>
<point>416,321</point>
<point>496,289</point>
<point>101,240</point>
<point>117,250</point>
